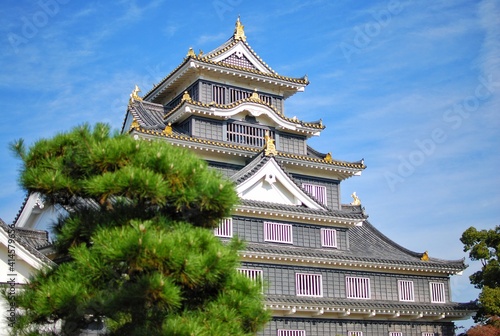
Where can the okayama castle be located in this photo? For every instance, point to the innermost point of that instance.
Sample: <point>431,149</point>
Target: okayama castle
<point>325,269</point>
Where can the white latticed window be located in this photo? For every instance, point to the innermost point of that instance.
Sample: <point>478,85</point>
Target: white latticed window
<point>308,284</point>
<point>405,289</point>
<point>428,334</point>
<point>437,292</point>
<point>395,333</point>
<point>355,333</point>
<point>225,228</point>
<point>247,134</point>
<point>317,191</point>
<point>277,232</point>
<point>252,274</point>
<point>282,332</point>
<point>237,94</point>
<point>357,288</point>
<point>219,94</point>
<point>328,238</point>
<point>266,99</point>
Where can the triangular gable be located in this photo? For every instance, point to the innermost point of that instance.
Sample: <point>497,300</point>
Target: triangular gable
<point>269,183</point>
<point>239,59</point>
<point>35,214</point>
<point>239,54</point>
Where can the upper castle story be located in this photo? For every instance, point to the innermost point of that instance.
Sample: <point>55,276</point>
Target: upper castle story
<point>230,98</point>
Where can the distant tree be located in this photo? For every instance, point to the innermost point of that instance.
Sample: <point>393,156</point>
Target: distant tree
<point>137,250</point>
<point>490,328</point>
<point>484,245</point>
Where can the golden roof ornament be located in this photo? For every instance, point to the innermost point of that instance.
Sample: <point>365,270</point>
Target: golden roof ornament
<point>356,200</point>
<point>255,96</point>
<point>269,148</point>
<point>328,157</point>
<point>425,256</point>
<point>239,32</point>
<point>134,95</point>
<point>186,97</point>
<point>134,124</point>
<point>168,129</point>
<point>191,52</point>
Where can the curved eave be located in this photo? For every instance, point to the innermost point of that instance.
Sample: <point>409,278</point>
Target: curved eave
<point>195,63</point>
<point>254,106</point>
<point>342,168</point>
<point>168,81</point>
<point>458,265</point>
<point>314,218</point>
<point>337,262</point>
<point>366,310</point>
<point>290,83</point>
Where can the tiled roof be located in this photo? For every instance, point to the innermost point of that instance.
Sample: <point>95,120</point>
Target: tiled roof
<point>148,115</point>
<point>208,62</point>
<point>36,238</point>
<point>367,246</point>
<point>256,164</point>
<point>369,304</point>
<point>313,125</point>
<point>367,240</point>
<point>303,210</point>
<point>300,81</point>
<point>25,239</point>
<point>235,146</point>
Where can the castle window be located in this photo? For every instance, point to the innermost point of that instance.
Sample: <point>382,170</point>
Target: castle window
<point>405,289</point>
<point>266,99</point>
<point>247,134</point>
<point>283,332</point>
<point>252,274</point>
<point>317,191</point>
<point>329,238</point>
<point>437,292</point>
<point>278,233</point>
<point>355,333</point>
<point>395,333</point>
<point>428,334</point>
<point>237,94</point>
<point>225,228</point>
<point>218,94</point>
<point>308,284</point>
<point>357,288</point>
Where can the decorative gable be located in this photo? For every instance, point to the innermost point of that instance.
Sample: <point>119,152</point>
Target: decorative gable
<point>237,52</point>
<point>241,53</point>
<point>266,181</point>
<point>239,59</point>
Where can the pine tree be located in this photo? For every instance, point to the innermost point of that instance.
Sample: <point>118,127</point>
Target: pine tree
<point>137,249</point>
<point>484,245</point>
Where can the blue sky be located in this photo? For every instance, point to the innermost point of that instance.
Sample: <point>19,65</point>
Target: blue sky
<point>410,86</point>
